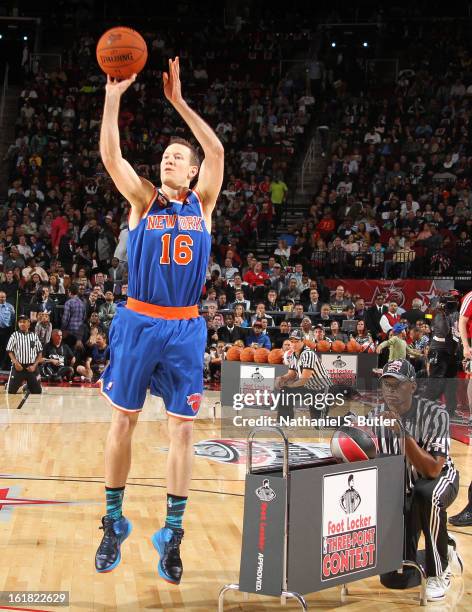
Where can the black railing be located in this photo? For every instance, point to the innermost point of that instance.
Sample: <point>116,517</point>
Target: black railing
<point>422,262</point>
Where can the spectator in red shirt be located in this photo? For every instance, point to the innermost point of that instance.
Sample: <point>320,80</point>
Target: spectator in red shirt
<point>327,225</point>
<point>256,276</point>
<point>59,228</point>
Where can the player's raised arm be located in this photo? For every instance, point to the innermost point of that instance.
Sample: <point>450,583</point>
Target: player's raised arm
<point>136,190</point>
<point>211,171</point>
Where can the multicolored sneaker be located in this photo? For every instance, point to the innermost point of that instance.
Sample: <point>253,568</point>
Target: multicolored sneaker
<point>167,543</point>
<point>108,554</point>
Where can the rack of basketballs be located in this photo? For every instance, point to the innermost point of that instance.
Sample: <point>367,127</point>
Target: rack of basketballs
<point>263,355</point>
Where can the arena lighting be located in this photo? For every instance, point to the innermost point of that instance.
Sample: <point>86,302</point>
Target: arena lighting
<point>365,44</point>
<point>1,36</point>
<point>25,38</point>
<point>333,44</point>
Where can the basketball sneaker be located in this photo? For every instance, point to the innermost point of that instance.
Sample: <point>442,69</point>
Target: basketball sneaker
<point>115,532</point>
<point>454,559</point>
<point>437,586</point>
<point>167,543</point>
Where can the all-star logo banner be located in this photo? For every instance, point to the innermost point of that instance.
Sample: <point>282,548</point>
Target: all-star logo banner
<point>263,453</point>
<point>400,291</point>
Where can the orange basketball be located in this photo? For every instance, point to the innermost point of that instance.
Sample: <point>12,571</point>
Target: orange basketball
<point>121,52</point>
<point>247,354</point>
<point>233,353</point>
<point>275,356</point>
<point>310,344</point>
<point>261,355</point>
<point>353,346</point>
<point>323,346</point>
<point>338,346</point>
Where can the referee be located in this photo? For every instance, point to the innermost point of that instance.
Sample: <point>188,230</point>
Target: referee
<point>25,351</point>
<point>306,375</point>
<point>432,482</point>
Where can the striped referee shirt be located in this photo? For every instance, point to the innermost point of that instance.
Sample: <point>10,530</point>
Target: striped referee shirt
<point>308,360</point>
<point>426,422</point>
<point>25,347</point>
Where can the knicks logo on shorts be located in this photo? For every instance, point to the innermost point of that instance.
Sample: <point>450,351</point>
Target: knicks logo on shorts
<point>194,401</point>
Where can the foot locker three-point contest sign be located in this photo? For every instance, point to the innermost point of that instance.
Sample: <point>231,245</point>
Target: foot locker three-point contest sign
<point>349,533</point>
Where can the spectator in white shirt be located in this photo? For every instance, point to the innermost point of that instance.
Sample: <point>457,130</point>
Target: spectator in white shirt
<point>372,137</point>
<point>23,248</point>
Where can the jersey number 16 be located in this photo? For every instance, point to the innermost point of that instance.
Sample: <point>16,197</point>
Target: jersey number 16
<point>181,251</point>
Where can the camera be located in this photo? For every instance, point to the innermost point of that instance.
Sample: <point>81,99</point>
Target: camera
<point>448,302</point>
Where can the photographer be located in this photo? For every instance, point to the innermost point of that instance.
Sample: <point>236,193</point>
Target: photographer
<point>442,353</point>
<point>41,302</point>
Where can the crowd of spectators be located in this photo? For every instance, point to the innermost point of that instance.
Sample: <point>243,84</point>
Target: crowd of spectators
<point>63,225</point>
<point>263,315</point>
<point>394,202</point>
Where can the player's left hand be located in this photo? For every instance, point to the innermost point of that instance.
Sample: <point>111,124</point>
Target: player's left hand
<point>171,81</point>
<point>31,368</point>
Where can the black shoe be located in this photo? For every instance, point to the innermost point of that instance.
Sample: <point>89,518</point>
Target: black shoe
<point>409,578</point>
<point>108,554</point>
<point>167,543</point>
<point>463,519</point>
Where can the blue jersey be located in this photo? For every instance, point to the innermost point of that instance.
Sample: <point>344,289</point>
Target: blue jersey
<point>168,253</point>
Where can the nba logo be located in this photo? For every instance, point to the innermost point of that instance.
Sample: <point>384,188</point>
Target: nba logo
<point>109,386</point>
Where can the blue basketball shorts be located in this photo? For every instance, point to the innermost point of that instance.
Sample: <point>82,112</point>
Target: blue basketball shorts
<point>163,354</point>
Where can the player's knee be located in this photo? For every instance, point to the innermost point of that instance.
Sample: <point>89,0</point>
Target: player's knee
<point>181,431</point>
<point>123,424</point>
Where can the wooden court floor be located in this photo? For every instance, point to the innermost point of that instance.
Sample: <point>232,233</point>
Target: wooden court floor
<point>51,450</point>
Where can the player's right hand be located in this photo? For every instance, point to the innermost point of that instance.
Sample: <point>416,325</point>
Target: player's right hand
<point>467,352</point>
<point>115,87</point>
<point>18,367</point>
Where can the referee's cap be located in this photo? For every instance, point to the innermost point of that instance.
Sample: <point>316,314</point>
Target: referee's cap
<point>399,368</point>
<point>23,318</point>
<point>296,334</point>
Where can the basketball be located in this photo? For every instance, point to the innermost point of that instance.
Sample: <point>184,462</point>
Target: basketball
<point>261,355</point>
<point>233,353</point>
<point>323,346</point>
<point>121,52</point>
<point>353,347</point>
<point>247,354</point>
<point>338,346</point>
<point>310,344</point>
<point>353,443</point>
<point>275,356</point>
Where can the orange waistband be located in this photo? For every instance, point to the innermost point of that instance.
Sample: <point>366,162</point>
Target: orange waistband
<point>162,312</point>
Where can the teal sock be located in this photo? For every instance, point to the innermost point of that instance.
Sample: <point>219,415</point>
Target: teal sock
<point>114,497</point>
<point>175,511</point>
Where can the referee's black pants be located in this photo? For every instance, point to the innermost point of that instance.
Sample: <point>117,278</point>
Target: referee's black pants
<point>425,511</point>
<point>24,376</point>
<point>287,408</point>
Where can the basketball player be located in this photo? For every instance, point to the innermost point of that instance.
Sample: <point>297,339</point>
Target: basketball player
<point>464,518</point>
<point>158,339</point>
